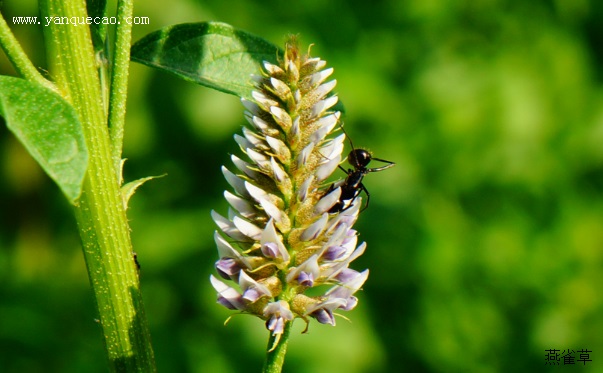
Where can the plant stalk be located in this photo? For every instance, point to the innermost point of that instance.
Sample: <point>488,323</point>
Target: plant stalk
<point>275,355</point>
<point>100,212</point>
<point>119,80</point>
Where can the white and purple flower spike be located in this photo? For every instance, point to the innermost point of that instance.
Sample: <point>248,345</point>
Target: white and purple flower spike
<point>281,236</point>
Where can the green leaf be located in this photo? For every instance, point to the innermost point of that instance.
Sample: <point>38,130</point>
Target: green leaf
<point>50,130</point>
<point>212,54</point>
<point>128,189</point>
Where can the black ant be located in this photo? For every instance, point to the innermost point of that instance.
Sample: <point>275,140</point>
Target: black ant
<point>352,185</point>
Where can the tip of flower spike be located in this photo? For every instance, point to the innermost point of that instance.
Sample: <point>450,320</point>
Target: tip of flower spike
<point>273,70</point>
<point>291,46</point>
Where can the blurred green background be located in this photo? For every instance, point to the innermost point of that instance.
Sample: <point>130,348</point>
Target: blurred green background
<point>484,242</point>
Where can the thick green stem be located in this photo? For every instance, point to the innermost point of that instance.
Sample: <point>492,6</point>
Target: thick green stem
<point>100,212</point>
<point>275,357</point>
<point>18,58</point>
<point>119,80</point>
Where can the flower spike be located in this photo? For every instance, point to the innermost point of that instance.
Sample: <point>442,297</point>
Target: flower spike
<point>281,236</point>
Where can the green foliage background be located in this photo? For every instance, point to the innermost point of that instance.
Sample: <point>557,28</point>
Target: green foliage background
<point>484,242</point>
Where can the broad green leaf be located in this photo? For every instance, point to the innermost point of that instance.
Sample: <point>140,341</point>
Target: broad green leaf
<point>213,54</point>
<point>50,130</point>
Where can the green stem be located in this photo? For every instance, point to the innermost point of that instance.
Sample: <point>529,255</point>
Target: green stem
<point>275,355</point>
<point>18,58</point>
<point>119,80</point>
<point>100,211</point>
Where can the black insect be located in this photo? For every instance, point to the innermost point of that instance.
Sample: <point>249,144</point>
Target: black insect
<point>352,185</point>
<point>135,256</point>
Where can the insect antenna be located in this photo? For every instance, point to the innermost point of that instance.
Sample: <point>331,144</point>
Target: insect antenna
<point>347,136</point>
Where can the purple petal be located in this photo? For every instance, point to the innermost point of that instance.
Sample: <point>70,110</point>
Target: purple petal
<point>276,325</point>
<point>279,308</point>
<point>330,273</point>
<point>227,268</point>
<point>270,250</point>
<point>350,304</point>
<point>279,313</point>
<point>306,279</point>
<point>310,266</point>
<point>347,275</point>
<point>225,250</point>
<point>323,316</point>
<point>226,303</point>
<point>252,290</point>
<point>272,243</point>
<point>251,295</point>
<point>334,253</point>
<point>346,289</point>
<point>227,296</point>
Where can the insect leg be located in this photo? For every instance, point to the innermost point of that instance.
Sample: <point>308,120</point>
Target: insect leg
<point>368,195</point>
<point>388,165</point>
<point>356,194</point>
